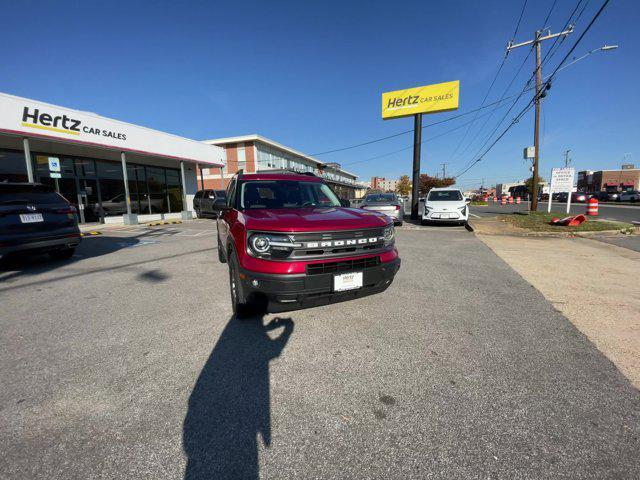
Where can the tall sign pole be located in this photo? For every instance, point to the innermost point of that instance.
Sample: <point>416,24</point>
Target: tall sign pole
<point>537,41</point>
<point>417,143</point>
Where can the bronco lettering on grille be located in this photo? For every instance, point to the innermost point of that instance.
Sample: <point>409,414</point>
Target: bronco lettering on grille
<point>342,243</point>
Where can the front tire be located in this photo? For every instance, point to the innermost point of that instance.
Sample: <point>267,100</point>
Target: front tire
<point>241,309</point>
<point>221,255</point>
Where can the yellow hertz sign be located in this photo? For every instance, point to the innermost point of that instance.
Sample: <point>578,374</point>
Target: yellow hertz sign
<point>440,97</point>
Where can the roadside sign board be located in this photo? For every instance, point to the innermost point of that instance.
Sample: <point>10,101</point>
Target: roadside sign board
<point>55,175</point>
<point>54,164</point>
<point>562,180</point>
<point>439,97</point>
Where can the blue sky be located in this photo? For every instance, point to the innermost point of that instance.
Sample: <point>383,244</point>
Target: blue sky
<point>310,74</point>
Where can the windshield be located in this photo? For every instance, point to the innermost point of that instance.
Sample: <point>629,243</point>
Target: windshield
<point>380,198</point>
<point>286,194</point>
<point>444,195</point>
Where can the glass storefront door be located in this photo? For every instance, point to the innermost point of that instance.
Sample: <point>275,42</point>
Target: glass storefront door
<point>90,198</point>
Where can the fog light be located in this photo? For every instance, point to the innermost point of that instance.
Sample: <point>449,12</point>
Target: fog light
<point>255,283</point>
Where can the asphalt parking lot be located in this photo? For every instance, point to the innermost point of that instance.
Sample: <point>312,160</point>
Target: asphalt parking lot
<point>125,362</point>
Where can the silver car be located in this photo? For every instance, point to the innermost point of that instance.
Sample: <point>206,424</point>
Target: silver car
<point>387,203</point>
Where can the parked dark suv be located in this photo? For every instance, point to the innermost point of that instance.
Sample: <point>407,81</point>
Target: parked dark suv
<point>209,202</point>
<point>34,217</point>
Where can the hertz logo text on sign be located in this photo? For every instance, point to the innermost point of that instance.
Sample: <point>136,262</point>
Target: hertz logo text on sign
<point>440,97</point>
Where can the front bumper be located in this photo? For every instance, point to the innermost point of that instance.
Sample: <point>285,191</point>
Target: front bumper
<point>448,216</point>
<point>297,291</point>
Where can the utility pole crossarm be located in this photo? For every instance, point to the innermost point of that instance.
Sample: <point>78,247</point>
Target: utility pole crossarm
<point>549,36</point>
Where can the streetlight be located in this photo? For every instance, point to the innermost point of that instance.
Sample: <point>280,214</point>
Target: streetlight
<point>603,48</point>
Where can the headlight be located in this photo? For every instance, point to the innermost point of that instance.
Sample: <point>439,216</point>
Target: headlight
<point>268,245</point>
<point>260,244</point>
<point>388,234</point>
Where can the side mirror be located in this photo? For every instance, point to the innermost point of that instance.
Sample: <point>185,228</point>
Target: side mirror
<point>467,200</point>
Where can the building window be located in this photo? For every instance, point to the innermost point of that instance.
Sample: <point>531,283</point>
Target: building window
<point>242,157</point>
<point>12,166</point>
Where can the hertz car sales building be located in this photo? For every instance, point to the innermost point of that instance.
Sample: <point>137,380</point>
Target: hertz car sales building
<point>111,171</point>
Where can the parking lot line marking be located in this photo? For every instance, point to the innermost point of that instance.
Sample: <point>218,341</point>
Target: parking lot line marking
<point>472,215</point>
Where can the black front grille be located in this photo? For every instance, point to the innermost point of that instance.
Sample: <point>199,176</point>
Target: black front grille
<point>342,266</point>
<point>322,250</point>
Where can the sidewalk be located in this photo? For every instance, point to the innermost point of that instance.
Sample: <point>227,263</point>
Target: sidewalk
<point>594,284</point>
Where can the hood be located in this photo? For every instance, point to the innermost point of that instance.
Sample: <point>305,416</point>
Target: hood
<point>312,219</point>
<point>449,206</point>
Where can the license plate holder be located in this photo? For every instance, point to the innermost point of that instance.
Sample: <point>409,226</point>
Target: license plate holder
<point>347,281</point>
<point>31,217</point>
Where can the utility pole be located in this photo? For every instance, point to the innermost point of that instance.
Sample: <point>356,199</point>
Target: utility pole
<point>537,41</point>
<point>444,170</point>
<point>567,160</point>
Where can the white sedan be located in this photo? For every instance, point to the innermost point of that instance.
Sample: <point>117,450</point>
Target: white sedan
<point>629,196</point>
<point>446,205</point>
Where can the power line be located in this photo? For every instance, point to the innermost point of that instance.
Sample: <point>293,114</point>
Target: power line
<point>552,50</point>
<point>595,17</point>
<point>350,147</point>
<point>504,59</point>
<point>530,104</point>
<point>515,32</point>
<point>507,89</point>
<point>411,146</point>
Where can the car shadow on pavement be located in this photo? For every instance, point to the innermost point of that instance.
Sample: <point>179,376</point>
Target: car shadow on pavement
<point>230,402</point>
<point>28,263</point>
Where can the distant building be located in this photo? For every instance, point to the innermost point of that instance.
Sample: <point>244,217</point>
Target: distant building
<point>503,188</point>
<point>609,180</point>
<point>255,153</point>
<point>381,183</point>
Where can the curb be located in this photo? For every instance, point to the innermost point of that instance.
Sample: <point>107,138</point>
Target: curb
<point>554,234</point>
<point>90,233</point>
<point>165,222</point>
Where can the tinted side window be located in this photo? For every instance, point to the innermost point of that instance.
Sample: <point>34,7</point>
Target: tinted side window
<point>198,194</point>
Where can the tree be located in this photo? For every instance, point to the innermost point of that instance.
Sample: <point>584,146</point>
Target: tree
<point>529,182</point>
<point>404,185</point>
<point>428,182</point>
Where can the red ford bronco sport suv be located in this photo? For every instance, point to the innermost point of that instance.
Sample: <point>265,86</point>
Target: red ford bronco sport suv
<point>290,244</point>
